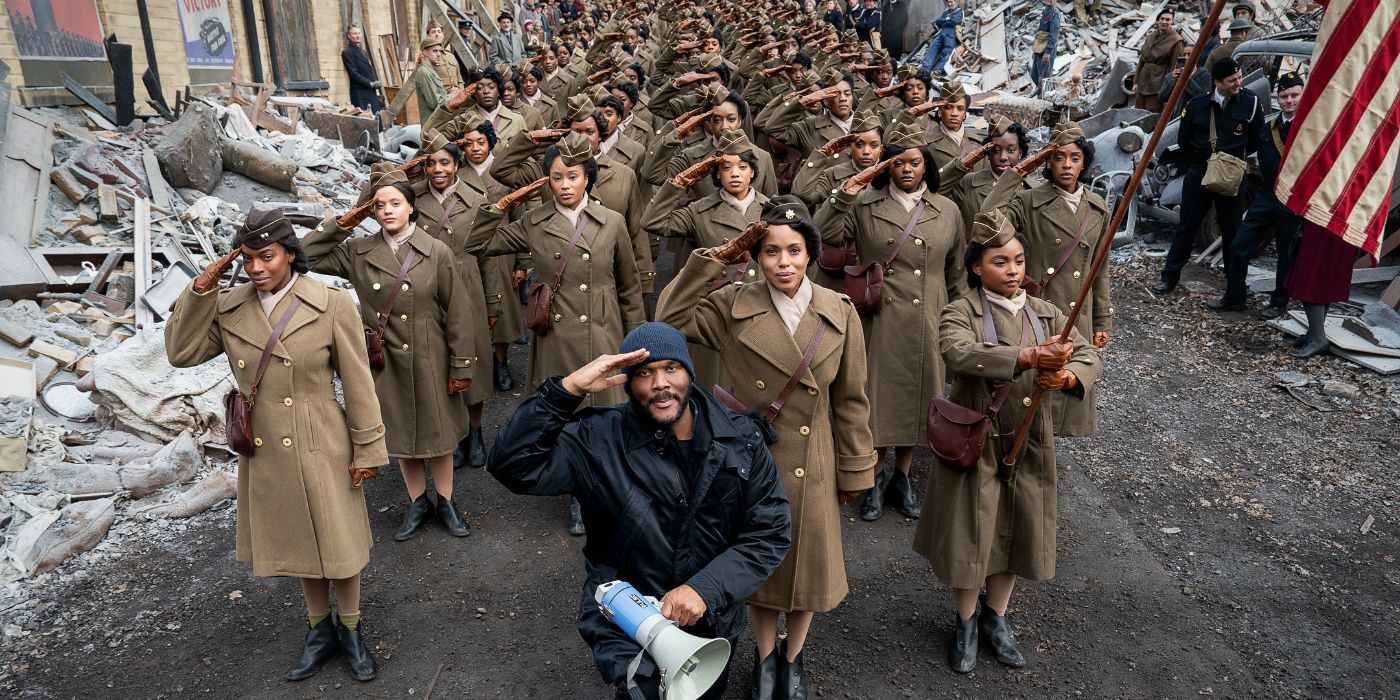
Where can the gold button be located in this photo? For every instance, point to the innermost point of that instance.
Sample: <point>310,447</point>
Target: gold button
<point>918,241</point>
<point>287,363</point>
<point>889,241</point>
<point>404,287</point>
<point>286,442</point>
<point>449,232</point>
<point>403,317</point>
<point>379,428</point>
<point>374,286</point>
<point>583,287</point>
<point>1026,401</point>
<point>405,347</point>
<point>287,401</point>
<point>810,164</point>
<point>556,256</point>
<point>759,384</point>
<point>1049,270</point>
<point>1071,305</point>
<point>1057,241</point>
<point>583,318</point>
<point>799,472</point>
<point>320,228</point>
<point>1076,274</point>
<point>257,442</point>
<point>585,256</point>
<point>980,367</point>
<point>557,317</point>
<point>917,302</point>
<point>240,364</point>
<point>811,391</point>
<point>918,273</point>
<point>804,430</point>
<point>750,273</point>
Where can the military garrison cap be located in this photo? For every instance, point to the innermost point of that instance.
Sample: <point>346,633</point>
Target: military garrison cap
<point>263,227</point>
<point>574,149</point>
<point>991,229</point>
<point>1066,133</point>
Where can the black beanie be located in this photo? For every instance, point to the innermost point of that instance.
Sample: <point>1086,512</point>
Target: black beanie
<point>662,342</point>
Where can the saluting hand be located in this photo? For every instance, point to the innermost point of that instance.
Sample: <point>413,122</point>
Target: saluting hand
<point>862,179</point>
<point>834,146</point>
<point>735,249</point>
<point>1029,165</point>
<point>693,174</point>
<point>815,97</point>
<point>602,373</point>
<point>925,108</point>
<point>683,605</point>
<point>970,160</point>
<point>518,276</point>
<point>687,127</point>
<point>543,136</point>
<point>509,202</point>
<point>209,278</point>
<point>599,76</point>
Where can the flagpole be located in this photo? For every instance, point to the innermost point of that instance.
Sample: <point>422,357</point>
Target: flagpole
<point>1007,469</point>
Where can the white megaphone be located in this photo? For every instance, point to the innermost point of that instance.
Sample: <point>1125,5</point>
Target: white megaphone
<point>689,664</point>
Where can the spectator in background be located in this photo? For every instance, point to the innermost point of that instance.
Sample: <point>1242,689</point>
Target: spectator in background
<point>1044,46</point>
<point>866,20</point>
<point>426,83</point>
<point>506,47</point>
<point>1210,46</point>
<point>834,16</point>
<point>363,80</point>
<point>1160,52</point>
<point>946,37</point>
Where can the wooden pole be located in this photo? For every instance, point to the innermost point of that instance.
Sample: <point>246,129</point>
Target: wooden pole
<point>1008,462</point>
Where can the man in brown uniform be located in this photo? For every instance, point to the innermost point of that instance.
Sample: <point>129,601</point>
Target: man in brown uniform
<point>1160,52</point>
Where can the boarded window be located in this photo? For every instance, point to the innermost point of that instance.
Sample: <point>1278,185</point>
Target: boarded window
<point>294,50</point>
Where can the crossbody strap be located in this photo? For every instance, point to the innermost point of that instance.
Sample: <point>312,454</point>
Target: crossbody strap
<point>1211,107</point>
<point>446,214</point>
<point>569,252</point>
<point>796,377</point>
<point>989,334</point>
<point>1069,251</point>
<point>267,349</point>
<point>394,290</point>
<point>904,235</point>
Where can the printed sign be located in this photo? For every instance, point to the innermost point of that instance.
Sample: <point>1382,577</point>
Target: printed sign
<point>208,34</point>
<point>57,29</point>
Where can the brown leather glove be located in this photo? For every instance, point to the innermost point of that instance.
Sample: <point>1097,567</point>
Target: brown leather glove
<point>1031,164</point>
<point>209,278</point>
<point>735,250</point>
<point>599,76</point>
<point>693,77</point>
<point>357,476</point>
<point>1055,380</point>
<point>862,179</point>
<point>1050,355</point>
<point>457,386</point>
<point>460,99</point>
<point>838,144</point>
<point>491,321</point>
<point>687,127</point>
<point>770,72</point>
<point>812,98</point>
<point>543,136</point>
<point>509,202</point>
<point>891,89</point>
<point>925,108</point>
<point>695,173</point>
<point>1100,338</point>
<point>970,160</point>
<point>518,276</point>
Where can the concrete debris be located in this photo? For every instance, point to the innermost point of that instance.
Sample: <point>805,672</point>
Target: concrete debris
<point>148,396</point>
<point>15,412</point>
<point>217,485</point>
<point>190,154</point>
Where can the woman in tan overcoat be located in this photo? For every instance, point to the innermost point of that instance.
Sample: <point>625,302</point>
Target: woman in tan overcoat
<point>1064,222</point>
<point>599,297</point>
<point>300,510</point>
<point>968,185</point>
<point>824,451</point>
<point>440,187</point>
<point>906,371</point>
<point>429,353</point>
<point>978,529</point>
<point>711,221</point>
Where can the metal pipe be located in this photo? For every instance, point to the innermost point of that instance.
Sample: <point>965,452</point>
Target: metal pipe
<point>268,21</point>
<point>250,29</point>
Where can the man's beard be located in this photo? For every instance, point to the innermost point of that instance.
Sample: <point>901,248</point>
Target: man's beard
<point>644,409</point>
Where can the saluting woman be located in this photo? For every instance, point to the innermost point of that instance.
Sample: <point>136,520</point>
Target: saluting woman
<point>978,529</point>
<point>904,224</point>
<point>713,220</point>
<point>1064,222</point>
<point>301,512</point>
<point>429,356</point>
<point>782,329</point>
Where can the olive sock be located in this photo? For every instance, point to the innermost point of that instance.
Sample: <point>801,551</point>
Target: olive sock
<point>350,620</point>
<point>317,619</point>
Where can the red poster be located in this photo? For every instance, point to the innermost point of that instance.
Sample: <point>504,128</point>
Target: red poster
<point>56,29</point>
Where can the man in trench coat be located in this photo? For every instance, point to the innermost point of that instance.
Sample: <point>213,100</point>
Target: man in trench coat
<point>685,504</point>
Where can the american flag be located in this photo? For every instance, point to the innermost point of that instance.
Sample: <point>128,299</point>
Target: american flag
<point>1340,161</point>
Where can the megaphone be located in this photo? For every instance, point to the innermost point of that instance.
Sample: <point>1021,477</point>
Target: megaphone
<point>689,664</point>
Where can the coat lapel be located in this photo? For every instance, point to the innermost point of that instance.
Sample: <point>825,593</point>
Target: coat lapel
<point>1044,197</point>
<point>314,298</point>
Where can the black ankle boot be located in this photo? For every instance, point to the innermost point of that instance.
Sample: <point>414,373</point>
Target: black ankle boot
<point>996,631</point>
<point>476,449</point>
<point>459,454</point>
<point>413,519</point>
<point>576,527</point>
<point>1316,341</point>
<point>794,676</point>
<point>320,646</point>
<point>962,649</point>
<point>450,519</point>
<point>352,647</point>
<point>765,676</point>
<point>900,494</point>
<point>872,505</point>
<point>500,374</point>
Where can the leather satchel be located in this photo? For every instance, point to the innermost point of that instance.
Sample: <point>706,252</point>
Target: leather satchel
<point>957,435</point>
<point>374,337</point>
<point>1224,172</point>
<point>835,258</point>
<point>865,285</point>
<point>237,409</point>
<point>541,296</point>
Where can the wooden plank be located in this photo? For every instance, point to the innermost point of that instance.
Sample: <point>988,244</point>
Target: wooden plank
<point>142,236</point>
<point>24,174</point>
<point>1391,296</point>
<point>992,35</point>
<point>400,99</point>
<point>89,99</point>
<point>107,208</point>
<point>68,184</point>
<point>160,191</point>
<point>1368,275</point>
<point>63,356</point>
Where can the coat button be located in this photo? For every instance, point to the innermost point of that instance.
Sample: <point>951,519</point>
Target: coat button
<point>980,367</point>
<point>1026,401</point>
<point>556,256</point>
<point>917,302</point>
<point>403,317</point>
<point>889,241</point>
<point>1049,270</point>
<point>558,317</point>
<point>1076,274</point>
<point>1057,241</point>
<point>759,384</point>
<point>1071,305</point>
<point>287,363</point>
<point>918,241</point>
<point>918,273</point>
<point>583,318</point>
<point>241,365</point>
<point>750,273</point>
<point>811,391</point>
<point>320,228</point>
<point>583,287</point>
<point>374,286</point>
<point>287,401</point>
<point>585,256</point>
<point>404,287</point>
<point>257,442</point>
<point>286,442</point>
<point>804,430</point>
<point>405,347</point>
<point>799,472</point>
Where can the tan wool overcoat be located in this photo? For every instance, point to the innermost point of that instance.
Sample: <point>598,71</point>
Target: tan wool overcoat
<point>824,444</point>
<point>497,272</point>
<point>427,339</point>
<point>905,368</point>
<point>297,513</point>
<point>974,524</point>
<point>1050,227</point>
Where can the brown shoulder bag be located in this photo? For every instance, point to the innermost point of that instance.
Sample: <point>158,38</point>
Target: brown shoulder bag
<point>537,316</point>
<point>237,409</point>
<point>866,284</point>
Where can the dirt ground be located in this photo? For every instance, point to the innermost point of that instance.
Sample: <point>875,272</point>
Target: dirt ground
<point>1217,538</point>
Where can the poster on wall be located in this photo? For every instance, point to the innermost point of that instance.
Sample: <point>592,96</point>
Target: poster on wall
<point>57,29</point>
<point>208,34</point>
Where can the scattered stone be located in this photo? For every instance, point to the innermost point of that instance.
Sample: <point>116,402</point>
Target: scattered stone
<point>190,155</point>
<point>1340,390</point>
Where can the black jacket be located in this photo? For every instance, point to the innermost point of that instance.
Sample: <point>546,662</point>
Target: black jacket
<point>362,77</point>
<point>1270,155</point>
<point>1239,126</point>
<point>723,534</point>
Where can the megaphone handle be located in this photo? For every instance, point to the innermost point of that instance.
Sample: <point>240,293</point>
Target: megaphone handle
<point>632,689</point>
